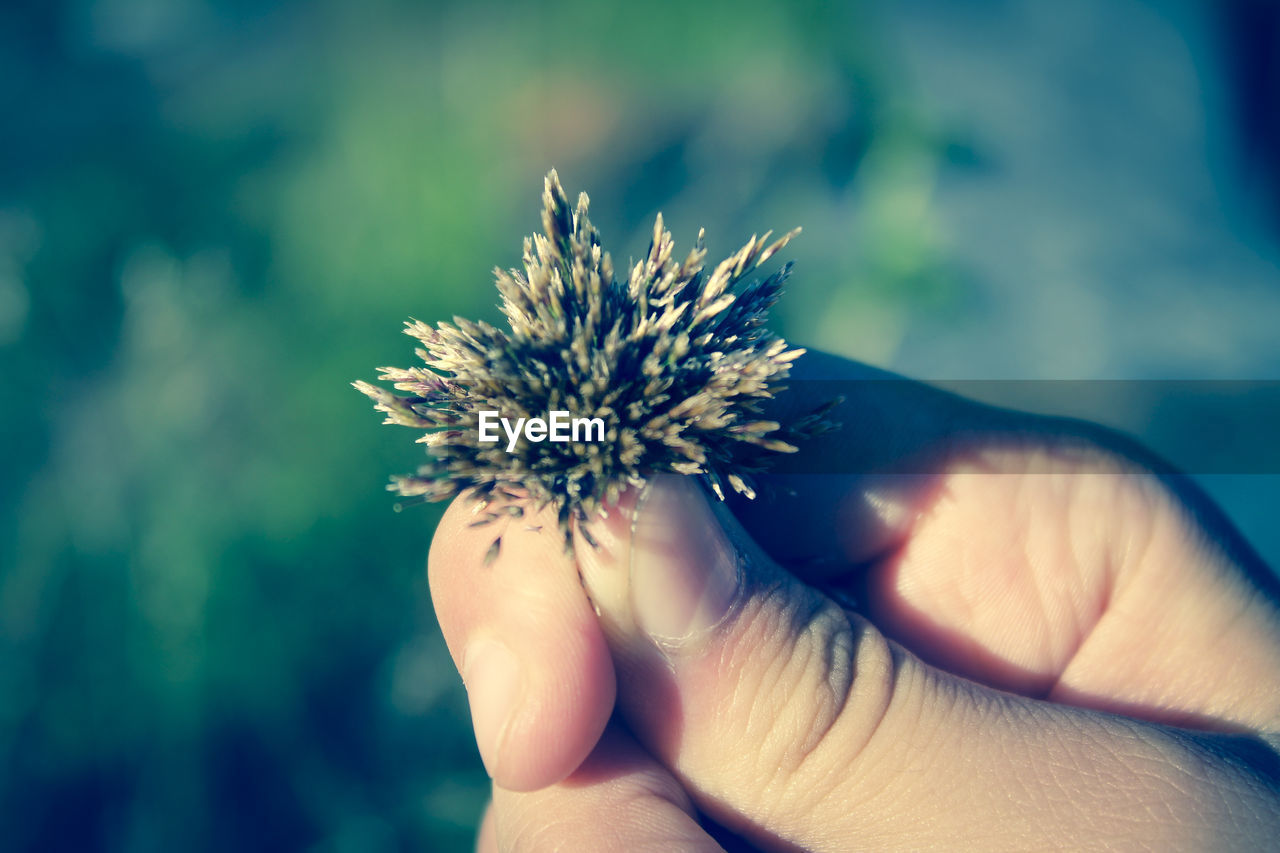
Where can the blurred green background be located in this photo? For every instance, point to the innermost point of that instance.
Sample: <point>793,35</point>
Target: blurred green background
<point>214,214</point>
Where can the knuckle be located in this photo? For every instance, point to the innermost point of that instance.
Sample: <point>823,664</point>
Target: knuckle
<point>813,704</point>
<point>531,830</point>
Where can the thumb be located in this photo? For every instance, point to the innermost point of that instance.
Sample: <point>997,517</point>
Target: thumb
<point>791,721</point>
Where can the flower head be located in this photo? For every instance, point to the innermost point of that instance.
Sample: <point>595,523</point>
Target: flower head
<point>676,362</point>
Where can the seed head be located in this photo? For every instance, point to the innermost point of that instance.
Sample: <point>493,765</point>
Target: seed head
<point>676,362</point>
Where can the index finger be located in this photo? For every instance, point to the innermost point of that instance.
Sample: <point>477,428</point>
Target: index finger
<point>1042,556</point>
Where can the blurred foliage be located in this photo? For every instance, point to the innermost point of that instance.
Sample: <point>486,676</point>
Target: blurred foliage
<point>215,634</point>
<point>213,216</point>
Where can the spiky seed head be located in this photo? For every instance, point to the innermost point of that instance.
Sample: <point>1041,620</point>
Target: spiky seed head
<point>677,363</point>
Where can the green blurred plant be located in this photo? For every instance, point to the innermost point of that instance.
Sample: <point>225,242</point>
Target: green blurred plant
<point>215,633</point>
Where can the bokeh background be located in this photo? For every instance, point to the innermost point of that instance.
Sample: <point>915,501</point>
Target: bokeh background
<point>215,634</point>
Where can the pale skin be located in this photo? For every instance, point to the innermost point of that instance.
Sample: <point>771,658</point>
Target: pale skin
<point>1053,648</point>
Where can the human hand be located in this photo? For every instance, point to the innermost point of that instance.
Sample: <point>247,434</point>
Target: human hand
<point>1059,648</point>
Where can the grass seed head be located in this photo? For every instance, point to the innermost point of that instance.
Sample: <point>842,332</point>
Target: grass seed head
<point>675,360</point>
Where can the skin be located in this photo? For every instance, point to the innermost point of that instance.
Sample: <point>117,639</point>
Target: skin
<point>1055,646</point>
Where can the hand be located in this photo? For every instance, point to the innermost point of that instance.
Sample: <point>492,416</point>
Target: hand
<point>1054,647</point>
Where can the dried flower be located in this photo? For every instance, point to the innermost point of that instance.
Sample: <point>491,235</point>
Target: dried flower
<point>677,364</point>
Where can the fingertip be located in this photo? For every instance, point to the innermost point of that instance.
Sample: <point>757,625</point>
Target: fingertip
<point>561,718</point>
<point>539,677</point>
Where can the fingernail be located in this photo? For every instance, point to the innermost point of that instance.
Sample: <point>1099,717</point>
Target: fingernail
<point>684,571</point>
<point>492,676</point>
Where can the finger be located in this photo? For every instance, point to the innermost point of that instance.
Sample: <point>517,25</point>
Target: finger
<point>1039,556</point>
<point>486,839</point>
<point>522,633</point>
<point>786,719</point>
<point>619,799</point>
<point>847,495</point>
